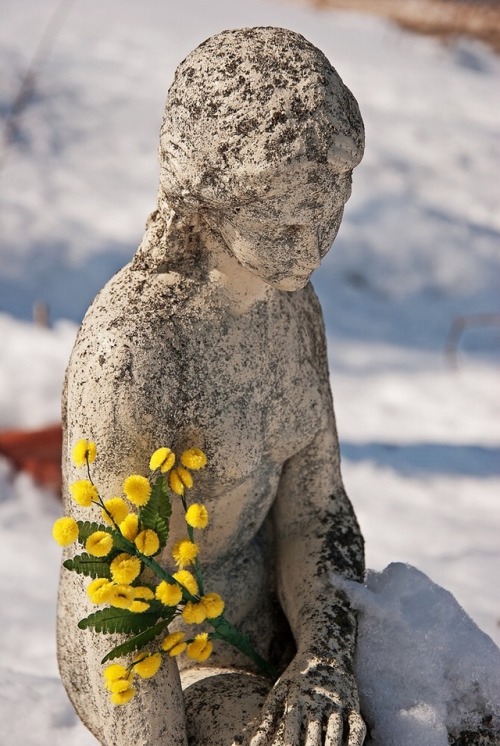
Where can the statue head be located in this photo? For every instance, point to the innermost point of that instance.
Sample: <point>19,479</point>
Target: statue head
<point>248,102</point>
<point>259,138</point>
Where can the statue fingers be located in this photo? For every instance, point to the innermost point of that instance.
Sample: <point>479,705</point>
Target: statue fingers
<point>334,730</point>
<point>292,725</point>
<point>357,729</point>
<point>272,714</point>
<point>314,733</point>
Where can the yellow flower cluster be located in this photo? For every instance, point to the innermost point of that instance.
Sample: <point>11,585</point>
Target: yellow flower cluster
<point>118,679</point>
<point>174,644</point>
<point>193,459</point>
<point>179,479</point>
<point>120,595</point>
<point>121,589</point>
<point>99,544</point>
<point>185,578</point>
<point>129,527</point>
<point>209,606</point>
<point>147,542</point>
<point>170,594</point>
<point>125,568</point>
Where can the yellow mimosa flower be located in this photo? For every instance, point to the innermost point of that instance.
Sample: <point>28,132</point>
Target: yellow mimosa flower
<point>99,544</point>
<point>169,594</point>
<point>114,672</point>
<point>162,459</point>
<point>214,605</point>
<point>129,527</point>
<point>193,459</point>
<point>201,648</point>
<point>184,552</point>
<point>117,507</point>
<point>188,580</point>
<point>174,643</point>
<point>84,493</point>
<point>194,613</point>
<point>179,479</point>
<point>147,542</point>
<point>82,451</point>
<point>141,591</point>
<point>137,489</point>
<point>98,590</point>
<point>197,516</point>
<point>120,596</point>
<point>122,698</point>
<point>125,568</point>
<point>65,531</point>
<point>118,686</point>
<point>138,607</point>
<point>146,665</point>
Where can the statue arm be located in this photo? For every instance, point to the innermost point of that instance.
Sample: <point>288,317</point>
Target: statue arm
<point>316,535</point>
<point>104,413</point>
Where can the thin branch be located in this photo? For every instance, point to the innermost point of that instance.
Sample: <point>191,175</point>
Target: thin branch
<point>28,82</point>
<point>460,325</point>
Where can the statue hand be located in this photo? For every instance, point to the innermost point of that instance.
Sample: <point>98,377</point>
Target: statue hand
<point>314,703</point>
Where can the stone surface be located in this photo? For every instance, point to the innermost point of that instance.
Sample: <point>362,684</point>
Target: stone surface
<point>213,337</point>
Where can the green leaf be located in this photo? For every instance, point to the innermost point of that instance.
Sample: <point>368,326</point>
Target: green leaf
<point>161,529</point>
<point>121,543</point>
<point>112,620</point>
<point>86,528</point>
<point>226,631</point>
<point>156,513</point>
<point>138,641</point>
<point>84,564</point>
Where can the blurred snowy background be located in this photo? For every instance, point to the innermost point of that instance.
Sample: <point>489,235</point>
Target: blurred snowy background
<point>419,247</point>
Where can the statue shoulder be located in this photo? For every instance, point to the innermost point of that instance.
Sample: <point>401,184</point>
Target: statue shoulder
<point>135,303</point>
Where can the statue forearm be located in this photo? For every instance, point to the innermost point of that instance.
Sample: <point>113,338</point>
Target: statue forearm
<point>317,537</point>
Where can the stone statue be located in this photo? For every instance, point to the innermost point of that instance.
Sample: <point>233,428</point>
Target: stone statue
<point>213,337</point>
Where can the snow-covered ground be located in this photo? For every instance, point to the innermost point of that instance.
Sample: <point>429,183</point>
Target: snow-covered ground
<point>419,246</point>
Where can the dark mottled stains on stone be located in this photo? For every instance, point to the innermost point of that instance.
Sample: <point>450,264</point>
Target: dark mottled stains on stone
<point>343,547</point>
<point>487,734</point>
<point>245,127</point>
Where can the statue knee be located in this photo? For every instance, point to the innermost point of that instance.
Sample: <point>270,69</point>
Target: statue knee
<point>221,705</point>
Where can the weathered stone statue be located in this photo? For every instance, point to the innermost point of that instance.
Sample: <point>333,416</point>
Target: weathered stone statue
<point>213,337</point>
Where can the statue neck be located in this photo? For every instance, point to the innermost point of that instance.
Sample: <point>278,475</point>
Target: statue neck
<point>242,288</point>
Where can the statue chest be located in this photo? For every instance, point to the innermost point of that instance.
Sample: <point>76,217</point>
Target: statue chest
<point>262,389</point>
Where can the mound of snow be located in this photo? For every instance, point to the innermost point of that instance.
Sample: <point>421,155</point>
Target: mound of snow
<point>423,667</point>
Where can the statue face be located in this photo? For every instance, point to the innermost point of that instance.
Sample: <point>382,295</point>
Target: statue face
<point>283,236</point>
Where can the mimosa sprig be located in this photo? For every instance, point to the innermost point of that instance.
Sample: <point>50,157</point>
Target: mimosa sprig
<point>129,537</point>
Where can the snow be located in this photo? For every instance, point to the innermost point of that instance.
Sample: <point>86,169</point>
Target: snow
<point>419,246</point>
<point>405,620</point>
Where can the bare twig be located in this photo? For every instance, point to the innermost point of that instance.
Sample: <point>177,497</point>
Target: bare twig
<point>27,84</point>
<point>459,326</point>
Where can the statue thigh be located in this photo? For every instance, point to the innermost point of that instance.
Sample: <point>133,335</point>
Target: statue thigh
<point>222,705</point>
